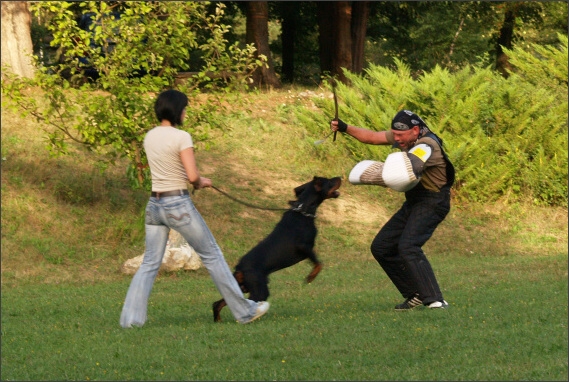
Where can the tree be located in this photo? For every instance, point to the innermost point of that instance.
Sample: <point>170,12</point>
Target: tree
<point>426,34</point>
<point>289,12</point>
<point>341,38</point>
<point>298,43</point>
<point>325,29</point>
<point>258,35</point>
<point>451,34</point>
<point>505,41</point>
<point>342,26</point>
<point>528,12</point>
<point>16,38</point>
<point>335,38</point>
<point>360,15</point>
<point>137,49</point>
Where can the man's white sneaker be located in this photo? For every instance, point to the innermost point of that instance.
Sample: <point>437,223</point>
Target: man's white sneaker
<point>438,305</point>
<point>262,308</point>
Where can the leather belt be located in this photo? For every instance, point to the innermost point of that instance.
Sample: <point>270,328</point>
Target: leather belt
<point>169,193</point>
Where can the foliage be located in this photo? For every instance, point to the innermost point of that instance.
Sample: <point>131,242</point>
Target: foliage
<point>452,34</point>
<point>519,122</point>
<point>303,15</point>
<point>101,94</point>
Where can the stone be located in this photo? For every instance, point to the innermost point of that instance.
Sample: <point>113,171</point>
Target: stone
<point>179,255</point>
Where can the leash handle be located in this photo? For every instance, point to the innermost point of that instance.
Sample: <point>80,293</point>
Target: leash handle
<point>248,204</point>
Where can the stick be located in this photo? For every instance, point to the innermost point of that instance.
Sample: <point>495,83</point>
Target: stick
<point>335,106</point>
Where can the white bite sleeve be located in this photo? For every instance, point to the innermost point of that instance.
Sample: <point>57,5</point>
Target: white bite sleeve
<point>367,172</point>
<point>398,172</point>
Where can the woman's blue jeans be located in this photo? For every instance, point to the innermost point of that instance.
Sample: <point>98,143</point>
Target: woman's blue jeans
<point>180,214</point>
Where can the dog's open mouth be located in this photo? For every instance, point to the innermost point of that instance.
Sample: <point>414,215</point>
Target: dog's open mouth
<point>334,193</point>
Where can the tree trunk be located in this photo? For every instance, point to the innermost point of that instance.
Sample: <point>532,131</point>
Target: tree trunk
<point>360,14</point>
<point>335,38</point>
<point>325,40</point>
<point>505,40</point>
<point>16,38</point>
<point>342,39</point>
<point>258,34</point>
<point>288,37</point>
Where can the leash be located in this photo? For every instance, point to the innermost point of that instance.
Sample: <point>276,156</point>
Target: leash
<point>248,204</point>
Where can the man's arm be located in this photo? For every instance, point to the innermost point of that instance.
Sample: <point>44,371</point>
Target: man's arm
<point>363,135</point>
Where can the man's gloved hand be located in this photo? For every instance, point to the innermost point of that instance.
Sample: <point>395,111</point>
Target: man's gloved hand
<point>342,126</point>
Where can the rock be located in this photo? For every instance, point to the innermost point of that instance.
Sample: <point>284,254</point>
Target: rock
<point>179,255</point>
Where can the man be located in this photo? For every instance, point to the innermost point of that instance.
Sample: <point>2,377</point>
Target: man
<point>423,171</point>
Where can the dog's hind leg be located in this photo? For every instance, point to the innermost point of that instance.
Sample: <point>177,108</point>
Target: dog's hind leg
<point>315,271</point>
<point>217,306</point>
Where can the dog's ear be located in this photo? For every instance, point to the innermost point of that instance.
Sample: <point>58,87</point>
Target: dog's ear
<point>318,181</point>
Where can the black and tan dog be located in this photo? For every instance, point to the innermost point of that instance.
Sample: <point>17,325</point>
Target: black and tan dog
<point>290,242</point>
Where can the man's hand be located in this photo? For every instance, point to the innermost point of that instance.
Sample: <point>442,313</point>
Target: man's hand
<point>338,125</point>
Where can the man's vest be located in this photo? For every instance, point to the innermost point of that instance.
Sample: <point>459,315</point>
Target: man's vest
<point>450,172</point>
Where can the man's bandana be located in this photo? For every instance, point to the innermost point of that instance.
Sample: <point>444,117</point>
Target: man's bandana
<point>406,120</point>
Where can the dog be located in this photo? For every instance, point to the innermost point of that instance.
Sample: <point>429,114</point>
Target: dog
<point>291,241</point>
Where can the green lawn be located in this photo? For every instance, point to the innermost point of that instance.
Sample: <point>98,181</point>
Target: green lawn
<point>505,322</point>
<point>66,230</point>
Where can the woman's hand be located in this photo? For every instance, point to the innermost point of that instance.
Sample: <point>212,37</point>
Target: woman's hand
<point>202,183</point>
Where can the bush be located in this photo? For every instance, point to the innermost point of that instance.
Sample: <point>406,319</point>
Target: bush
<point>506,137</point>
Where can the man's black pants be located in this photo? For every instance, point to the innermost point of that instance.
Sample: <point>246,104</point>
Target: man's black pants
<point>397,246</point>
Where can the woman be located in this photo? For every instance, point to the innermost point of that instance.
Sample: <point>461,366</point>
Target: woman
<point>172,164</point>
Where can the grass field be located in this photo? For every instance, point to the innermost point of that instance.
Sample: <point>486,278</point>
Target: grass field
<point>66,229</point>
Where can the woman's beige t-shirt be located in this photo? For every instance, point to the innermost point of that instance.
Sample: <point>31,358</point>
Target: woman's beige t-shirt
<point>163,145</point>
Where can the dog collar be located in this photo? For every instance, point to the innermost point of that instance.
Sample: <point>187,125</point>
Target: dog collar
<point>300,211</point>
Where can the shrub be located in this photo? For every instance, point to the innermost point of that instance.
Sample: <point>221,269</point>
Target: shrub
<point>506,137</point>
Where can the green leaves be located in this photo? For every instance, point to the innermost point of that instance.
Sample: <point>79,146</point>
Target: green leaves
<point>132,50</point>
<point>506,137</point>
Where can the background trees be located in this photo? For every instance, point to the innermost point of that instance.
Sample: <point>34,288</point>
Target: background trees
<point>330,35</point>
<point>305,40</point>
<point>136,49</point>
<point>101,90</point>
<point>342,31</point>
<point>452,34</point>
